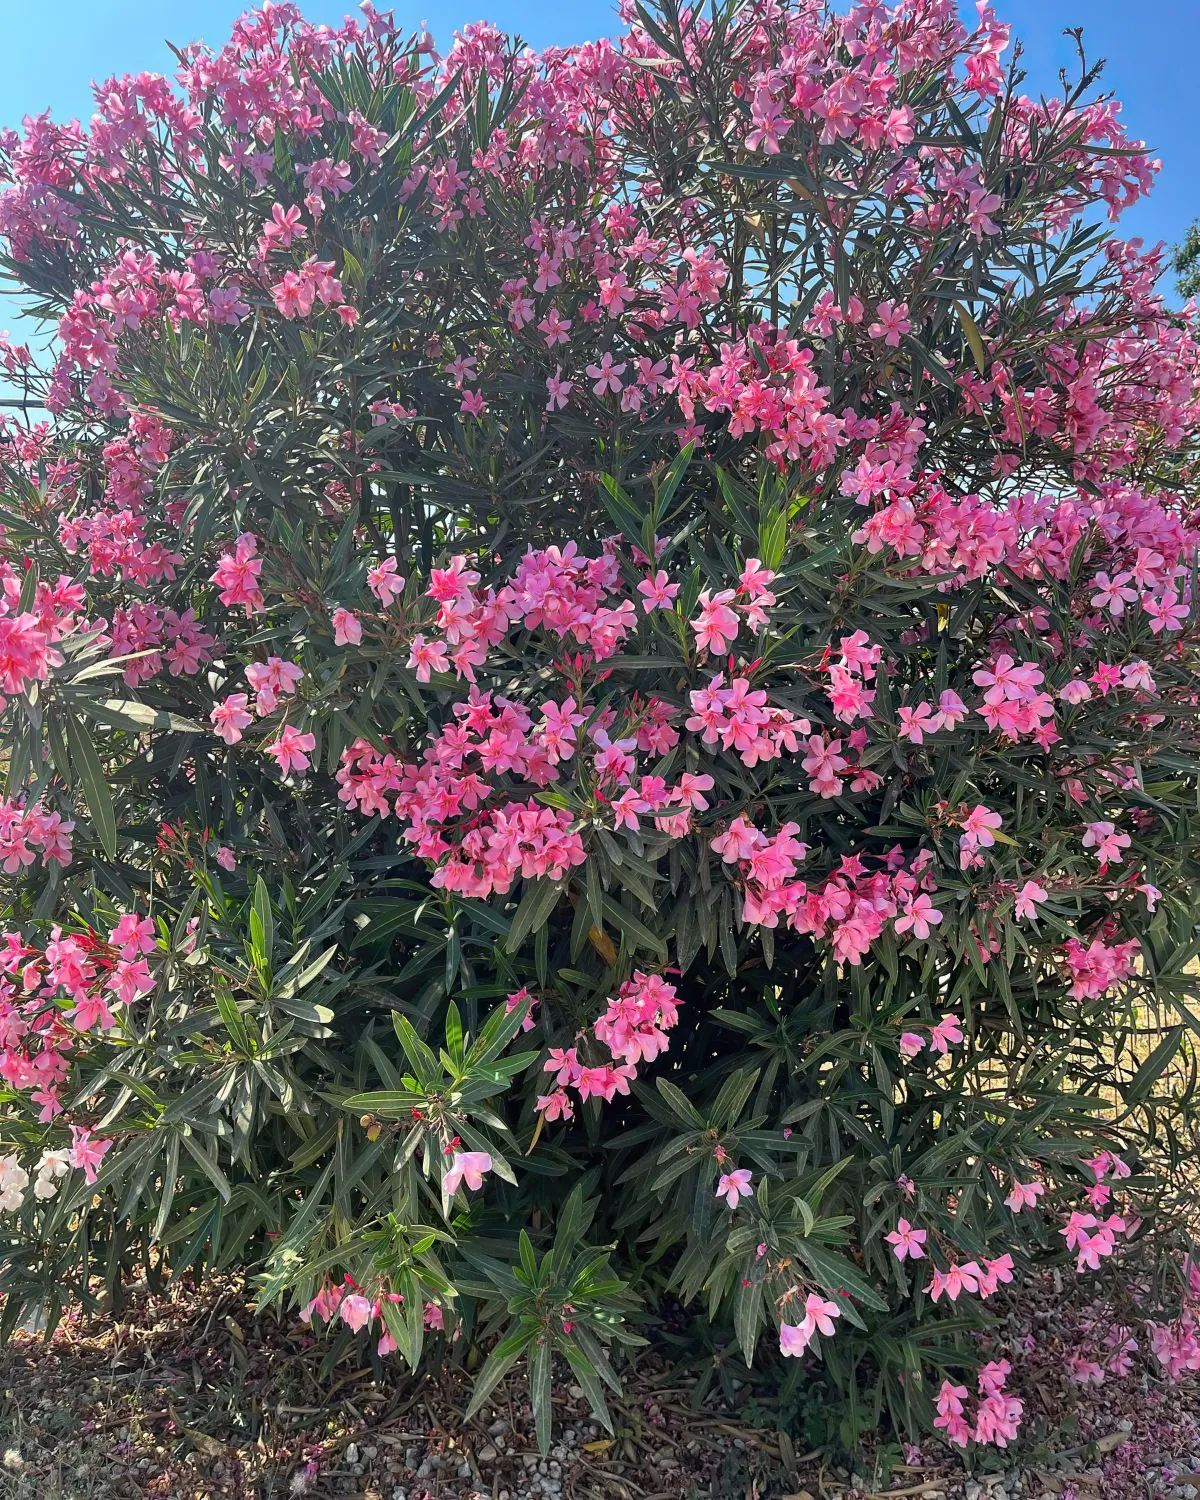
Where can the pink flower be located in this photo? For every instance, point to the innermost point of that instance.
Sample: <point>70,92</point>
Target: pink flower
<point>906,1240</point>
<point>1024,1195</point>
<point>945,1034</point>
<point>559,390</point>
<point>916,722</point>
<point>427,657</point>
<point>794,1339</point>
<point>87,1152</point>
<point>821,1313</point>
<point>556,1105</point>
<point>770,123</point>
<point>473,404</point>
<point>955,1281</point>
<point>606,375</point>
<point>980,825</point>
<point>237,575</point>
<point>920,915</point>
<point>910,1044</point>
<point>951,709</point>
<point>469,1166</point>
<point>738,842</point>
<point>356,1310</point>
<point>1029,897</point>
<point>225,857</point>
<point>1107,842</point>
<point>717,624</point>
<point>385,582</point>
<point>347,628</point>
<point>1167,613</point>
<point>1075,691</point>
<point>892,321</point>
<point>133,935</point>
<point>656,592</point>
<point>290,749</point>
<point>229,717</point>
<point>734,1186</point>
<point>1113,594</point>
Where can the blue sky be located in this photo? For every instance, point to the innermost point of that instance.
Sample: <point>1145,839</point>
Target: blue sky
<point>51,55</point>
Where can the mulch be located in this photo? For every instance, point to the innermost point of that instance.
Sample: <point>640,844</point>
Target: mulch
<point>189,1396</point>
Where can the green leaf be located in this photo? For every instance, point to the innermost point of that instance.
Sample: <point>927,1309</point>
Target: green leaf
<point>582,1369</point>
<point>625,514</point>
<point>86,764</point>
<point>499,1363</point>
<point>539,1390</point>
<point>538,900</point>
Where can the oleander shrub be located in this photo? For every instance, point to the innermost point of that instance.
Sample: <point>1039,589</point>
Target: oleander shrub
<point>599,652</point>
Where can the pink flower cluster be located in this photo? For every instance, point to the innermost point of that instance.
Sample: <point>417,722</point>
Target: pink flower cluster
<point>997,1416</point>
<point>347,1300</point>
<point>739,718</point>
<point>722,614</point>
<point>237,575</point>
<point>633,1028</point>
<point>851,906</point>
<point>93,973</point>
<point>26,828</point>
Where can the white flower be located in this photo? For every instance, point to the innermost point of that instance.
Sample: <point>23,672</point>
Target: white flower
<point>14,1179</point>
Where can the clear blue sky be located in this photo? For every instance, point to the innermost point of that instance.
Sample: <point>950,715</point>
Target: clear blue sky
<point>53,51</point>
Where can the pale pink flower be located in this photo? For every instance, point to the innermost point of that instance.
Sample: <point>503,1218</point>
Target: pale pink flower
<point>1024,1195</point>
<point>734,1186</point>
<point>87,1151</point>
<point>794,1339</point>
<point>468,1166</point>
<point>356,1310</point>
<point>347,628</point>
<point>905,1240</point>
<point>385,582</point>
<point>920,915</point>
<point>1029,897</point>
<point>427,657</point>
<point>656,592</point>
<point>291,749</point>
<point>229,717</point>
<point>717,624</point>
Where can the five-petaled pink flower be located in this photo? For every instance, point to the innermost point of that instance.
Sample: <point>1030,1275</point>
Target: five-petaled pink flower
<point>469,1167</point>
<point>656,592</point>
<point>717,624</point>
<point>427,657</point>
<point>291,749</point>
<point>606,375</point>
<point>385,582</point>
<point>892,321</point>
<point>735,1186</point>
<point>905,1240</point>
<point>356,1310</point>
<point>347,628</point>
<point>229,717</point>
<point>1024,1195</point>
<point>87,1151</point>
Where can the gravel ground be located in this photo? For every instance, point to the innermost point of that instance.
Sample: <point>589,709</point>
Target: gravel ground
<point>189,1396</point>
